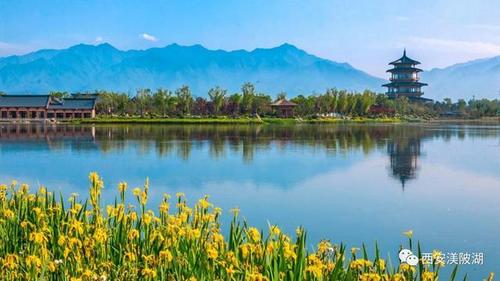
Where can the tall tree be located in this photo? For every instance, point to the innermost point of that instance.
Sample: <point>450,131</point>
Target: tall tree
<point>184,99</point>
<point>248,95</point>
<point>144,101</point>
<point>163,101</point>
<point>217,96</point>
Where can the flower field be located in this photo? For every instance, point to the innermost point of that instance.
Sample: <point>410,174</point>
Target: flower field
<point>47,237</point>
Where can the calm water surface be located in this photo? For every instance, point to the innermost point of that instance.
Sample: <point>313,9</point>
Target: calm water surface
<point>351,183</point>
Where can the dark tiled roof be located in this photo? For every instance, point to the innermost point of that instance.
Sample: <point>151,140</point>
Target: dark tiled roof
<point>24,100</point>
<point>409,84</point>
<point>283,102</point>
<point>73,103</point>
<point>405,69</point>
<point>43,101</point>
<point>405,60</point>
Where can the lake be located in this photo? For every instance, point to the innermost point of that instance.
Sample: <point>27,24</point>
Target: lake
<point>352,183</point>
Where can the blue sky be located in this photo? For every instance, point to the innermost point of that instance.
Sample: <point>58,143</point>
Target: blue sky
<point>365,33</point>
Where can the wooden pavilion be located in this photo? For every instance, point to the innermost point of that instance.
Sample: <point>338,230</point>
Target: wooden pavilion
<point>283,108</point>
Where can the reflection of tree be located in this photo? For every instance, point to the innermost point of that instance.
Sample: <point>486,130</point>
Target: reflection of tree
<point>402,143</point>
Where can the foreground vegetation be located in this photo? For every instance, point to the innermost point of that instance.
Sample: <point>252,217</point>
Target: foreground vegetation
<point>248,102</point>
<point>45,237</point>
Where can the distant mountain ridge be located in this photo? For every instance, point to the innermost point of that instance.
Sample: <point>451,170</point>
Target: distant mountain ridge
<point>103,67</point>
<point>478,78</point>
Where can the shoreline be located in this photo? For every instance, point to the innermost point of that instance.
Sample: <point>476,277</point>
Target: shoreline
<point>236,121</point>
<point>255,120</point>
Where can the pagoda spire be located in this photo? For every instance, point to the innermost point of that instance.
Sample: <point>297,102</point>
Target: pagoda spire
<point>404,81</point>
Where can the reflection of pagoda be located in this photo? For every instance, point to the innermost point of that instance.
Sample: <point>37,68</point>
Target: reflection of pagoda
<point>404,79</point>
<point>404,158</point>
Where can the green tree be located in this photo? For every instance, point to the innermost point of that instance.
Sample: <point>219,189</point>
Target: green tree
<point>248,95</point>
<point>163,102</point>
<point>217,96</point>
<point>144,101</point>
<point>184,99</point>
<point>59,95</point>
<point>281,96</point>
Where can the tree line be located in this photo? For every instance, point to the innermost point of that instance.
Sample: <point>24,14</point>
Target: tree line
<point>248,102</point>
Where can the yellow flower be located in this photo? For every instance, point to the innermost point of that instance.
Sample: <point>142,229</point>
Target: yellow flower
<point>254,234</point>
<point>404,267</point>
<point>275,230</point>
<point>164,207</point>
<point>398,277</point>
<point>11,261</point>
<point>76,226</point>
<point>230,271</point>
<point>132,216</point>
<point>61,240</point>
<point>370,277</point>
<point>165,255</point>
<point>136,191</point>
<point>8,214</point>
<point>33,261</point>
<point>212,252</point>
<point>204,202</point>
<point>360,264</point>
<point>52,266</point>
<point>133,233</point>
<point>100,235</point>
<point>147,218</point>
<point>122,186</point>
<point>381,264</point>
<point>149,273</point>
<point>428,276</point>
<point>408,233</point>
<point>129,256</point>
<point>38,237</point>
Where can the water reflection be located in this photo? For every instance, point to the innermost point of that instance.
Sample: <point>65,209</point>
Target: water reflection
<point>402,143</point>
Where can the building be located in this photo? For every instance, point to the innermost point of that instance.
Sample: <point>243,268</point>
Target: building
<point>405,79</point>
<point>40,107</point>
<point>283,108</point>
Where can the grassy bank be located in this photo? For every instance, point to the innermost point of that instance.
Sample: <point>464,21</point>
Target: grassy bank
<point>47,237</point>
<point>249,120</point>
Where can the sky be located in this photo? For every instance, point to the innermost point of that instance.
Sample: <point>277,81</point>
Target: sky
<point>365,33</point>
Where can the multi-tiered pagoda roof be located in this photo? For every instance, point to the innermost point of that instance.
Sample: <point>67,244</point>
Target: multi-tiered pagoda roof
<point>404,81</point>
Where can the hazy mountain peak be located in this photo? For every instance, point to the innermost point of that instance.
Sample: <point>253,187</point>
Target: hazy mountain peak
<point>479,78</point>
<point>86,67</point>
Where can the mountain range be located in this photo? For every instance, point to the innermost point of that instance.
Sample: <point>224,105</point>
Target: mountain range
<point>478,78</point>
<point>285,68</point>
<point>88,67</point>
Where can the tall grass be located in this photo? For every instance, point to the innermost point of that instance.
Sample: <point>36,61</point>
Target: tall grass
<point>45,237</point>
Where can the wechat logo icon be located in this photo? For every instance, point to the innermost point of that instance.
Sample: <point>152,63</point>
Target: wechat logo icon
<point>406,256</point>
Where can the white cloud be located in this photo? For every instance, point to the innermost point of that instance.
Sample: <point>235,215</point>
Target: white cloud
<point>488,27</point>
<point>8,49</point>
<point>479,48</point>
<point>98,39</point>
<point>149,37</point>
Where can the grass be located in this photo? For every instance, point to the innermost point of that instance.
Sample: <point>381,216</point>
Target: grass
<point>228,120</point>
<point>47,237</point>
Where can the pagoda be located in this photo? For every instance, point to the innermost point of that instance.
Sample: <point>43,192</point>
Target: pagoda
<point>404,79</point>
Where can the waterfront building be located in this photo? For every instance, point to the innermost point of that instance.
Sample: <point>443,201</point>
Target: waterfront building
<point>40,107</point>
<point>404,80</point>
<point>283,108</point>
